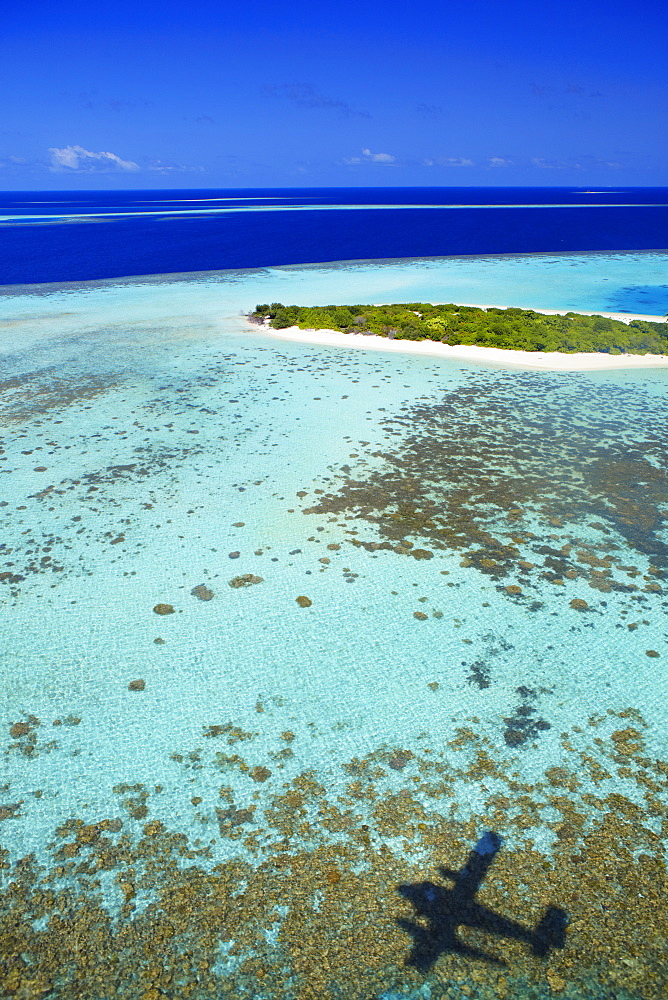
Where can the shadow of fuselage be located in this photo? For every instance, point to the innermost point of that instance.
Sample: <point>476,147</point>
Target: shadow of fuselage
<point>445,910</point>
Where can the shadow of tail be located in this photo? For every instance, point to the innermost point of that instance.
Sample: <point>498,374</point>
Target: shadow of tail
<point>550,932</point>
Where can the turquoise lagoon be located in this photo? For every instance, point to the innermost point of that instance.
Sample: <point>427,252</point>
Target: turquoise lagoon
<point>483,551</point>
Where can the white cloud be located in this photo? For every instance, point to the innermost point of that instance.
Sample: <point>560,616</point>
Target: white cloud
<point>499,161</point>
<point>303,95</point>
<point>543,164</point>
<point>161,167</point>
<point>76,158</point>
<point>448,161</point>
<point>369,157</point>
<point>12,161</point>
<point>378,157</point>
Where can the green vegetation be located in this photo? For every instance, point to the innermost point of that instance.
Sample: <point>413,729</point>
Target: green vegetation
<point>509,329</point>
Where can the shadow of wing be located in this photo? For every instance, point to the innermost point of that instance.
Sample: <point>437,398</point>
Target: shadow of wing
<point>464,949</point>
<point>487,920</point>
<point>425,949</point>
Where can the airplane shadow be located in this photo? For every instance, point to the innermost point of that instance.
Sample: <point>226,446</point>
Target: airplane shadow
<point>445,910</point>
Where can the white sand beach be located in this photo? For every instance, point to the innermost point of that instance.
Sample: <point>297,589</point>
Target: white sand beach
<point>553,361</point>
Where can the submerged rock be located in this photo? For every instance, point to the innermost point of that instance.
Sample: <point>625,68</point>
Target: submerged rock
<point>515,737</point>
<point>202,593</point>
<point>138,685</point>
<point>164,609</point>
<point>420,615</point>
<point>245,580</point>
<point>304,602</point>
<point>579,605</point>
<point>9,810</point>
<point>260,774</point>
<point>233,817</point>
<point>19,729</point>
<point>399,761</point>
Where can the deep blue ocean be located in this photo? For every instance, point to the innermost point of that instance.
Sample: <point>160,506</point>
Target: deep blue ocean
<point>77,236</point>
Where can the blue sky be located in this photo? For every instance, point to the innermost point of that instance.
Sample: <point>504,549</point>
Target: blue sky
<point>353,93</point>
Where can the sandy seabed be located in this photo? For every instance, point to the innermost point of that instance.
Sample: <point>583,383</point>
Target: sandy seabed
<point>552,361</point>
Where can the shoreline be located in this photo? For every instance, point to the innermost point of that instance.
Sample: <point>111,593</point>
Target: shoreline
<point>548,361</point>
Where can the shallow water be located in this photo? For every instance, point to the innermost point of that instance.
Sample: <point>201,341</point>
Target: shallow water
<point>484,648</point>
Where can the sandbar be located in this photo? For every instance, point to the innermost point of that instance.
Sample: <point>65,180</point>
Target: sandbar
<point>550,361</point>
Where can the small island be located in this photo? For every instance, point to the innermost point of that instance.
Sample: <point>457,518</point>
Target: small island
<point>453,325</point>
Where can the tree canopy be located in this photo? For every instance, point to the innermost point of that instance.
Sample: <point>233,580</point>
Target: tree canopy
<point>508,329</point>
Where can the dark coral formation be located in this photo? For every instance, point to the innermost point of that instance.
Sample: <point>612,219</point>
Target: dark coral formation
<point>313,909</point>
<point>245,580</point>
<point>524,724</point>
<point>531,492</point>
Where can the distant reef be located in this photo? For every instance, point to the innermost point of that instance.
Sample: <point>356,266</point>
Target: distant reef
<point>509,329</point>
